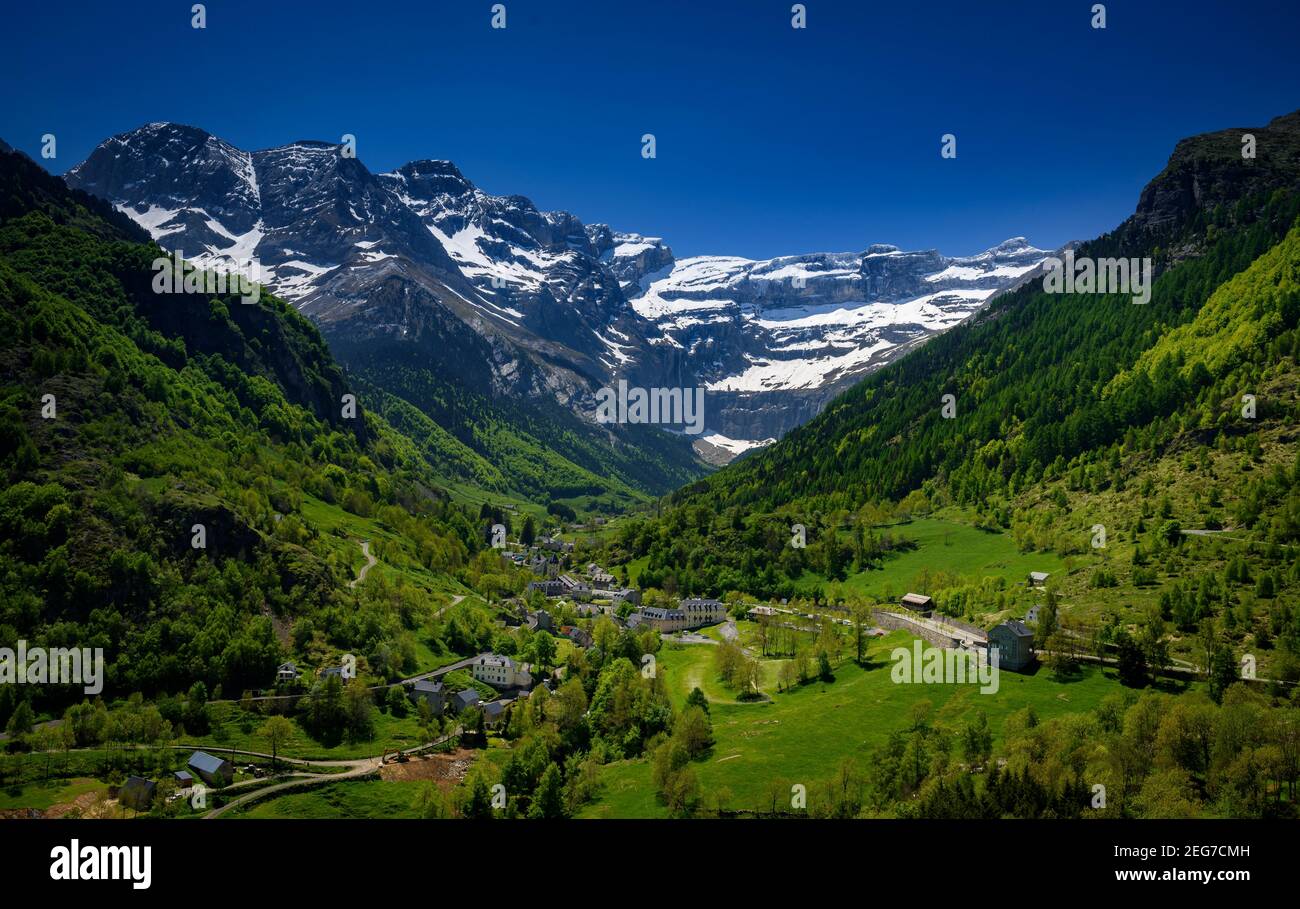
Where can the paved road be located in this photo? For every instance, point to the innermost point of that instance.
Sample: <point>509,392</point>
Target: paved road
<point>441,671</point>
<point>687,637</point>
<point>454,601</point>
<point>432,674</point>
<point>370,562</point>
<point>245,784</point>
<point>365,547</point>
<point>358,768</point>
<point>436,673</point>
<point>969,638</point>
<point>362,768</point>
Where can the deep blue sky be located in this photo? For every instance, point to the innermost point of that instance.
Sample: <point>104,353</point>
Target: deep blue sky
<point>770,140</point>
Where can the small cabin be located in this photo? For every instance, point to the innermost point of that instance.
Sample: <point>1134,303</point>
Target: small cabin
<point>917,602</point>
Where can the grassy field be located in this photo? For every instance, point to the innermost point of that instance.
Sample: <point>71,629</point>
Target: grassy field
<point>635,567</point>
<point>43,795</point>
<point>690,666</point>
<point>353,799</point>
<point>945,545</point>
<point>801,736</point>
<point>390,732</point>
<point>468,494</point>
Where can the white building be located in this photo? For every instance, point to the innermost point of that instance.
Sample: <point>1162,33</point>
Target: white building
<point>501,671</point>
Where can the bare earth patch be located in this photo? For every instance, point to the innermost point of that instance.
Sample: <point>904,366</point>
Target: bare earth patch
<point>90,805</point>
<point>444,769</point>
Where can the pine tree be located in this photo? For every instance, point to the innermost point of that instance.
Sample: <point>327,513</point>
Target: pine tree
<point>479,804</point>
<point>548,799</point>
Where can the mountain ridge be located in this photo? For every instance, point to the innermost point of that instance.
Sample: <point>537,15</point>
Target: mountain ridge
<point>1053,391</point>
<point>555,300</point>
<point>181,478</point>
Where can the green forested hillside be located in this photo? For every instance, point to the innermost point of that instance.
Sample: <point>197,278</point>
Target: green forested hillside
<point>1071,411</point>
<point>127,418</point>
<point>1027,375</point>
<point>1029,371</point>
<point>1144,456</point>
<point>1167,432</point>
<point>539,452</point>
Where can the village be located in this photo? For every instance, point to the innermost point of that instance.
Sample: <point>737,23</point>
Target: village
<point>587,593</point>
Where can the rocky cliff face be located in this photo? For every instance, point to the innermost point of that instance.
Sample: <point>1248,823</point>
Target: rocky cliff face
<point>629,257</point>
<point>774,340</point>
<point>1209,170</point>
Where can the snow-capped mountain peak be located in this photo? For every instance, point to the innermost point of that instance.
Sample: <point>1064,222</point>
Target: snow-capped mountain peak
<point>564,307</point>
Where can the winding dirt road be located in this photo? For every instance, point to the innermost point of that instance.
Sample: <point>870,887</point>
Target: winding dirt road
<point>370,563</point>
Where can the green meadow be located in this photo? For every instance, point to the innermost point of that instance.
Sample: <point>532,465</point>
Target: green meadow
<point>802,735</point>
<point>351,799</point>
<point>944,545</point>
<point>229,721</point>
<point>688,666</point>
<point>45,794</point>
